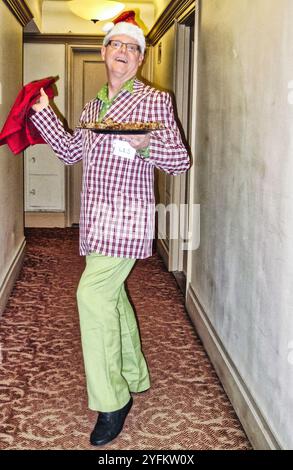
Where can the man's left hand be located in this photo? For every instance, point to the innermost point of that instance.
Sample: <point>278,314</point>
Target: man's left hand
<point>138,141</point>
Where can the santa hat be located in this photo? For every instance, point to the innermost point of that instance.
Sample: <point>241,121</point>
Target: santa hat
<point>125,24</point>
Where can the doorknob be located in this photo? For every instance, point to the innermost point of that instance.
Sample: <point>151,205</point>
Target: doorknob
<point>33,191</point>
<point>33,159</point>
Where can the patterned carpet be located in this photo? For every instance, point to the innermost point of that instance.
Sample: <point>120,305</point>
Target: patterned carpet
<point>42,386</point>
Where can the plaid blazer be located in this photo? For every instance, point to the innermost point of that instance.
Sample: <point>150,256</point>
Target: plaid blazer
<point>117,200</point>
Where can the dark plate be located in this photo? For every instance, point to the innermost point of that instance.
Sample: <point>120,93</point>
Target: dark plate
<point>120,131</point>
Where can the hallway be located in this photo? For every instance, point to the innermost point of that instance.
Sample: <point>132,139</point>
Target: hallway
<point>228,65</point>
<point>43,397</point>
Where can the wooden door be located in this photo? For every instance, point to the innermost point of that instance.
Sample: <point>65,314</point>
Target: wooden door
<point>87,75</point>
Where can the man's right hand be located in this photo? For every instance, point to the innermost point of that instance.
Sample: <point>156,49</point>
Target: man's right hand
<point>43,102</point>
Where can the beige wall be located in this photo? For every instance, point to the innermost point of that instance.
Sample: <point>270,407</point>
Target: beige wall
<point>163,72</point>
<point>160,6</point>
<point>11,166</point>
<point>242,273</point>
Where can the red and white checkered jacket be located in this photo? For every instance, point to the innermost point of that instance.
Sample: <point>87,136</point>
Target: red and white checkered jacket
<point>118,203</point>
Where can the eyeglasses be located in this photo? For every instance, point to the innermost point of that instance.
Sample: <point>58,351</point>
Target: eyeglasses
<point>129,46</point>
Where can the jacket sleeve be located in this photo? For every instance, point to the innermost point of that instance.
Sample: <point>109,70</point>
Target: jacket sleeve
<point>68,147</point>
<point>167,152</point>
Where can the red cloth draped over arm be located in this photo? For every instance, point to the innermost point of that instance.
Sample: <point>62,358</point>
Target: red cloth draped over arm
<point>18,131</point>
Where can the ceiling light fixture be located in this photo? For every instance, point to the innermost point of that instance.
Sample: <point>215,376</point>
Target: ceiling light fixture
<point>95,10</point>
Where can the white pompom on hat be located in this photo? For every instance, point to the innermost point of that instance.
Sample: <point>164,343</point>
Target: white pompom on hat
<point>125,24</point>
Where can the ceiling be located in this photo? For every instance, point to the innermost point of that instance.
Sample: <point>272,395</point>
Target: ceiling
<point>54,17</point>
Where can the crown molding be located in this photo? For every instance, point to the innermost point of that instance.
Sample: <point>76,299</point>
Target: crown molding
<point>177,10</point>
<point>20,10</point>
<point>63,38</point>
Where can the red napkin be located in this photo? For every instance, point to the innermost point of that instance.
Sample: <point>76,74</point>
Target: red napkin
<point>18,131</point>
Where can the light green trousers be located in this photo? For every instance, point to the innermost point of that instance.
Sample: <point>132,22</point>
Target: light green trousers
<point>114,362</point>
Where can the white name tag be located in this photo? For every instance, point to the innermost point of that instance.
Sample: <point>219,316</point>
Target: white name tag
<point>123,149</point>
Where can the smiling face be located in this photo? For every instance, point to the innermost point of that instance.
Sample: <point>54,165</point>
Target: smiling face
<point>121,64</point>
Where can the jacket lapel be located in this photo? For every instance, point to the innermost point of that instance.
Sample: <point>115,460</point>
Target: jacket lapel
<point>126,102</point>
<point>123,106</point>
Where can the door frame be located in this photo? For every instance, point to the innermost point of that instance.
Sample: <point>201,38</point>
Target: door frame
<point>194,218</point>
<point>181,84</point>
<point>178,184</point>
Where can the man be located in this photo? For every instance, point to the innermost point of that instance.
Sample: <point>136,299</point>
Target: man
<point>117,217</point>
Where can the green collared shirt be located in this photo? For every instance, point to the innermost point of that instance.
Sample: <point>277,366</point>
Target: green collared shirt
<point>103,96</point>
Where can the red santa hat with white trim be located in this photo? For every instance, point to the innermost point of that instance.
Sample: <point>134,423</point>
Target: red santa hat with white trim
<point>125,24</point>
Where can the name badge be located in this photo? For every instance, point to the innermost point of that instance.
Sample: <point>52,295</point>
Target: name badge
<point>123,149</point>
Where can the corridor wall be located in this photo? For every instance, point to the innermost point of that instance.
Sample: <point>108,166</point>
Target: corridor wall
<point>240,296</point>
<point>11,166</point>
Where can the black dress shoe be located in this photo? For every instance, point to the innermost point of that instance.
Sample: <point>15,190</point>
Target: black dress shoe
<point>109,425</point>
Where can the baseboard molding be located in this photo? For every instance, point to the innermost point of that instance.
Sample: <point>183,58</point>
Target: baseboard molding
<point>254,424</point>
<point>180,278</point>
<point>44,219</point>
<point>11,276</point>
<point>162,249</point>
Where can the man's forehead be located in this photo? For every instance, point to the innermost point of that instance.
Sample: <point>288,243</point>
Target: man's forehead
<point>123,38</point>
